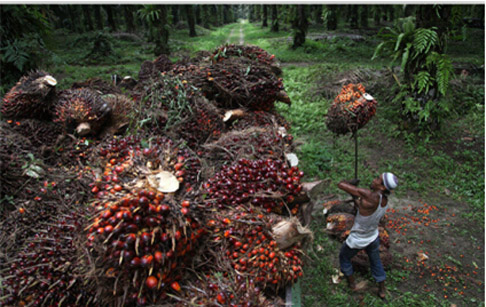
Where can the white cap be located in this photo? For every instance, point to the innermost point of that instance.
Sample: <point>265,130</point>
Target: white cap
<point>390,181</point>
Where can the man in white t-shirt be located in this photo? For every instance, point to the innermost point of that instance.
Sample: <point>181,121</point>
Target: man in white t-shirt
<point>371,205</point>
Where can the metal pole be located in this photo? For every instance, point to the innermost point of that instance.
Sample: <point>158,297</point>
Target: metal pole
<point>356,155</point>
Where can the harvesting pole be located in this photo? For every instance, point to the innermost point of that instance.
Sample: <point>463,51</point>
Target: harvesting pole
<point>355,134</point>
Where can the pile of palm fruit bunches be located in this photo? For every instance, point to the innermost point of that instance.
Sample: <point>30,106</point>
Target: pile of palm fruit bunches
<point>174,189</point>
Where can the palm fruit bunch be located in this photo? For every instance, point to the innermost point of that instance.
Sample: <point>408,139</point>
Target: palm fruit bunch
<point>33,96</point>
<point>244,83</point>
<point>150,70</point>
<point>244,236</point>
<point>351,109</point>
<point>162,63</point>
<point>121,109</point>
<point>252,52</point>
<point>177,109</point>
<point>239,120</point>
<point>269,184</point>
<point>82,110</point>
<point>127,159</point>
<point>146,73</point>
<point>252,143</point>
<point>227,289</point>
<point>234,83</point>
<point>144,226</point>
<point>339,224</point>
<point>200,125</point>
<point>48,270</point>
<point>339,206</point>
<point>138,241</point>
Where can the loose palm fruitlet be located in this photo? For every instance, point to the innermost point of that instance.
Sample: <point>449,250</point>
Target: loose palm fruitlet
<point>49,270</point>
<point>269,184</point>
<point>351,109</point>
<point>244,236</point>
<point>82,110</point>
<point>33,96</point>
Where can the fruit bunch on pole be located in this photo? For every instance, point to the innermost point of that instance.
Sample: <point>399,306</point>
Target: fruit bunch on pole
<point>351,110</point>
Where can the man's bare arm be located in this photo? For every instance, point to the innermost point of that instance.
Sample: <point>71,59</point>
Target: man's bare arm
<point>349,188</point>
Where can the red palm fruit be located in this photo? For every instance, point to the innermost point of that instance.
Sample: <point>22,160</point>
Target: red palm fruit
<point>175,285</point>
<point>147,260</point>
<point>159,256</point>
<point>151,282</point>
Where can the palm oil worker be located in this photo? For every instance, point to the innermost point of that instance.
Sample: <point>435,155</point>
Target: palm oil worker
<point>371,205</point>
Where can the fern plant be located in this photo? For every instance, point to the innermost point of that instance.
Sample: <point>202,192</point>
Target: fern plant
<point>425,72</point>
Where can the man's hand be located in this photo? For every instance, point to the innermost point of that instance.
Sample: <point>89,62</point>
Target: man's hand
<point>354,182</point>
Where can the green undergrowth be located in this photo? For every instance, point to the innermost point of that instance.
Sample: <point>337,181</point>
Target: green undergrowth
<point>322,50</point>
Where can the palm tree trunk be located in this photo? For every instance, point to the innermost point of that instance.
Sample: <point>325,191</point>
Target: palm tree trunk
<point>162,39</point>
<point>190,20</point>
<point>264,17</point>
<point>274,18</point>
<point>98,17</point>
<point>300,26</point>
<point>111,19</point>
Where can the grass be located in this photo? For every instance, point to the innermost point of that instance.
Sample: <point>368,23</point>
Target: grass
<point>324,51</point>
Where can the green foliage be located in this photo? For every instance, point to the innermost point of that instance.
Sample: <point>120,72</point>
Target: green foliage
<point>426,73</point>
<point>15,52</point>
<point>22,33</point>
<point>149,13</point>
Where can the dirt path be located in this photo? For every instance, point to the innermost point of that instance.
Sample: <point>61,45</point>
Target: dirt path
<point>242,36</point>
<point>228,41</point>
